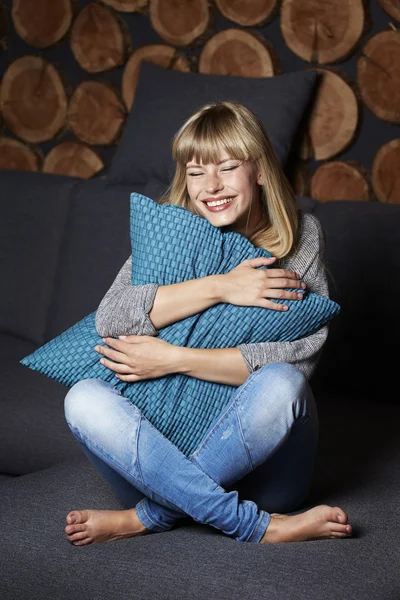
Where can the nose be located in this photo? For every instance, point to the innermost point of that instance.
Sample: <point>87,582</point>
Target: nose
<point>213,183</point>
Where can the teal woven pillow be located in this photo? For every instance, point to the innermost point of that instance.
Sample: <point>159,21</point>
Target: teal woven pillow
<point>170,244</point>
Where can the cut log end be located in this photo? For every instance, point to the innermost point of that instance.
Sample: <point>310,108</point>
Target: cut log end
<point>247,14</point>
<point>238,52</point>
<point>17,155</point>
<point>340,180</point>
<point>377,75</point>
<point>41,23</point>
<point>322,32</point>
<point>391,7</point>
<point>96,114</point>
<point>333,119</point>
<point>181,23</point>
<point>33,99</point>
<point>98,41</point>
<point>73,159</point>
<point>386,173</point>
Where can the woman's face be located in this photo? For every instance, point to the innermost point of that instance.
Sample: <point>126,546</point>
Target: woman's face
<point>234,180</point>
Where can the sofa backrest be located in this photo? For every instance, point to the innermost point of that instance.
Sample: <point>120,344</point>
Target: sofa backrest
<point>363,256</point>
<point>63,241</point>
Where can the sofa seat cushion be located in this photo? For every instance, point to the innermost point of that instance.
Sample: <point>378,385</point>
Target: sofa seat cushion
<point>33,431</point>
<point>360,473</point>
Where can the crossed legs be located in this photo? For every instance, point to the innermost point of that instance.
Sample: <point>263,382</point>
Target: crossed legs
<point>269,429</point>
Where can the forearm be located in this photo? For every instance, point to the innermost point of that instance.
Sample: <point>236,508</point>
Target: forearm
<point>178,301</point>
<point>220,365</point>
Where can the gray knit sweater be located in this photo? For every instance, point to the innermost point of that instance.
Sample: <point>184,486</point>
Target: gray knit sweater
<point>124,309</point>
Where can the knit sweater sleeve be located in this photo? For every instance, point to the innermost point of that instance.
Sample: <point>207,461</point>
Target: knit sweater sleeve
<point>125,307</point>
<point>303,353</point>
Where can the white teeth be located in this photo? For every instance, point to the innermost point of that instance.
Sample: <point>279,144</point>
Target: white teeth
<point>219,202</point>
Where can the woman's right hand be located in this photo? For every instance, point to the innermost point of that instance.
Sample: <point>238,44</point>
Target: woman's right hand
<point>245,285</point>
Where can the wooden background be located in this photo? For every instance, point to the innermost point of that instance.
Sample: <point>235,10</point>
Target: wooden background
<point>68,70</point>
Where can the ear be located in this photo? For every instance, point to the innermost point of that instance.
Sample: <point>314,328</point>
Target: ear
<point>259,178</point>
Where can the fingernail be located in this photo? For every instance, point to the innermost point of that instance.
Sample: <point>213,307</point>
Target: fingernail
<point>104,339</point>
<point>122,337</point>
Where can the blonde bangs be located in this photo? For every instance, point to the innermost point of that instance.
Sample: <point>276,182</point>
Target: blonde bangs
<point>203,141</point>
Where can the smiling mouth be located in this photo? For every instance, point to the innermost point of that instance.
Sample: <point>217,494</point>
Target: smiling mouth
<point>219,203</point>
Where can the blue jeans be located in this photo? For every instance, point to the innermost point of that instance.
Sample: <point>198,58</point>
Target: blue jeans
<point>268,432</point>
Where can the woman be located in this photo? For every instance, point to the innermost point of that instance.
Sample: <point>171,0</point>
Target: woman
<point>226,172</point>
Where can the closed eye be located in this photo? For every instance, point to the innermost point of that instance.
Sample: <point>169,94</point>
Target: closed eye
<point>226,169</point>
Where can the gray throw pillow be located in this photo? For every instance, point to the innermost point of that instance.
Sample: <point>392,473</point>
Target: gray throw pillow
<point>164,99</point>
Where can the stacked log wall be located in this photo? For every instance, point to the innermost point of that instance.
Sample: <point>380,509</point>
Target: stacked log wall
<point>78,61</point>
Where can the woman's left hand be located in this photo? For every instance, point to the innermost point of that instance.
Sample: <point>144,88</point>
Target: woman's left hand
<point>137,357</point>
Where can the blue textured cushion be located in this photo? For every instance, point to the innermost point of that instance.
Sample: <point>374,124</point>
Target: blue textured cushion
<point>170,244</point>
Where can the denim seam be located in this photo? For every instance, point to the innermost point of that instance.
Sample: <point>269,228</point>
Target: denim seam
<point>144,511</point>
<point>245,444</point>
<point>105,455</point>
<point>257,527</point>
<point>224,415</point>
<point>137,447</point>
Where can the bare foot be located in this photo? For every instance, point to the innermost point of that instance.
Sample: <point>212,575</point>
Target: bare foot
<point>320,522</point>
<point>91,526</point>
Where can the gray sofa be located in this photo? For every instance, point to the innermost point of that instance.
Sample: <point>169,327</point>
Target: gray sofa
<point>62,243</point>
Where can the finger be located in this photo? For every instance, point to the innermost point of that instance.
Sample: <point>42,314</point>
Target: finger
<point>283,273</point>
<point>261,260</point>
<point>129,378</point>
<point>117,367</point>
<point>284,295</point>
<point>119,344</point>
<point>275,306</point>
<point>284,283</point>
<point>114,355</point>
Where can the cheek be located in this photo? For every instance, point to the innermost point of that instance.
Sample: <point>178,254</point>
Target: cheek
<point>192,187</point>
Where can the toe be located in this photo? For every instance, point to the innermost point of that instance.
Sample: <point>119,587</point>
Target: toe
<point>338,534</point>
<point>77,516</point>
<point>340,515</point>
<point>82,535</point>
<point>75,528</point>
<point>83,542</point>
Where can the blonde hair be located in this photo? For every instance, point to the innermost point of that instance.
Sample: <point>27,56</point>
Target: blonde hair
<point>236,129</point>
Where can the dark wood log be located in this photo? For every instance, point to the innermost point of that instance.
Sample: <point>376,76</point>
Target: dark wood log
<point>334,117</point>
<point>340,180</point>
<point>17,155</point>
<point>378,75</point>
<point>322,32</point>
<point>301,179</point>
<point>245,13</point>
<point>33,99</point>
<point>386,172</point>
<point>3,27</point>
<point>391,7</point>
<point>182,23</point>
<point>131,6</point>
<point>159,54</point>
<point>96,113</point>
<point>98,40</point>
<point>238,52</point>
<point>73,159</point>
<point>41,23</point>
